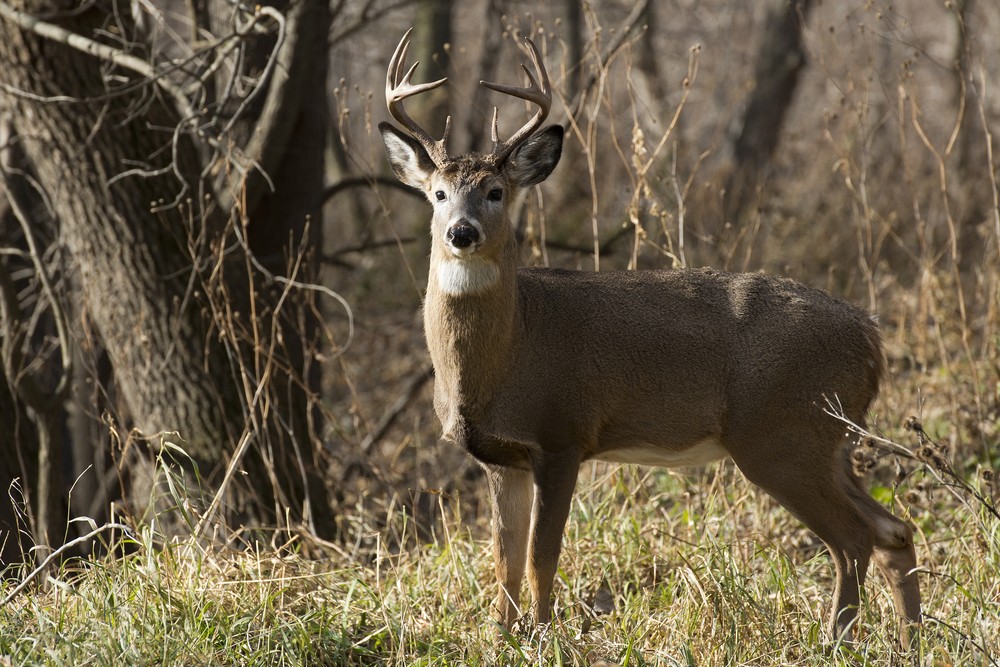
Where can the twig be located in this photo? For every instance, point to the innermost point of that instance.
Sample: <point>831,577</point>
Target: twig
<point>413,386</point>
<point>334,257</point>
<point>622,33</point>
<point>281,79</point>
<point>365,18</point>
<point>937,465</point>
<point>604,248</point>
<point>38,397</point>
<point>252,429</point>
<point>185,110</point>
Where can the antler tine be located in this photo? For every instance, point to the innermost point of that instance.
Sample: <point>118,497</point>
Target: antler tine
<point>398,88</point>
<point>537,92</point>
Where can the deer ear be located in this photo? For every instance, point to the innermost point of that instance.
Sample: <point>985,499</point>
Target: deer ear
<point>410,162</point>
<point>535,159</point>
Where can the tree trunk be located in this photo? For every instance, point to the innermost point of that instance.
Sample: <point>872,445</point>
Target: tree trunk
<point>431,34</point>
<point>780,58</point>
<point>972,160</point>
<point>135,264</point>
<point>19,444</point>
<point>288,219</point>
<point>16,467</point>
<point>574,43</point>
<point>36,380</point>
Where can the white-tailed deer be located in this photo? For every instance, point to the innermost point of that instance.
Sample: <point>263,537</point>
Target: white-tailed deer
<point>538,370</point>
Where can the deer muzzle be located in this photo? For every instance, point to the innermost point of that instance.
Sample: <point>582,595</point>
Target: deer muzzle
<point>464,237</point>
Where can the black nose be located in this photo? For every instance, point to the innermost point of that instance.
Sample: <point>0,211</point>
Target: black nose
<point>462,235</point>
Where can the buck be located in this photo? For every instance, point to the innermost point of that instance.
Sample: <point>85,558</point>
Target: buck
<point>538,370</point>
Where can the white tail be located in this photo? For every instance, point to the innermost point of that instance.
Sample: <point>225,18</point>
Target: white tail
<point>538,370</point>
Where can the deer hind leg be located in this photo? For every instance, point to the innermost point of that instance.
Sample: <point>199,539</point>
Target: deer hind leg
<point>511,493</point>
<point>895,558</point>
<point>808,484</point>
<point>555,481</point>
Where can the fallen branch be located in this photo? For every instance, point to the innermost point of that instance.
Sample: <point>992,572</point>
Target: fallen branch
<point>52,556</point>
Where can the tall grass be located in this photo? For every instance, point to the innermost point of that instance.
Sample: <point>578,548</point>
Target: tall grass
<point>658,569</point>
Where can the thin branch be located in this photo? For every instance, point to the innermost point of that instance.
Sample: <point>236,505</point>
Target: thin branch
<point>335,257</point>
<point>268,67</point>
<point>410,391</point>
<point>280,78</point>
<point>981,95</point>
<point>182,102</point>
<point>360,181</point>
<point>365,18</point>
<point>936,464</point>
<point>621,34</point>
<point>252,429</point>
<point>605,247</point>
<point>35,395</point>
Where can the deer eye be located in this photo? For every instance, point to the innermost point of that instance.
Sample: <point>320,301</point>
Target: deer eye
<point>439,195</point>
<point>496,194</point>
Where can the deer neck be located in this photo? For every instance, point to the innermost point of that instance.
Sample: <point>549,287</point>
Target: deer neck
<point>470,316</point>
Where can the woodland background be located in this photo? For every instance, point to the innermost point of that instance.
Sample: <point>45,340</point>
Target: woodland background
<point>210,283</point>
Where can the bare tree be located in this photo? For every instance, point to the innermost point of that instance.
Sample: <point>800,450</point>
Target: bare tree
<point>163,223</point>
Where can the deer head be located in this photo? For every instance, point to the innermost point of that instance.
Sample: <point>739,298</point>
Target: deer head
<point>470,193</point>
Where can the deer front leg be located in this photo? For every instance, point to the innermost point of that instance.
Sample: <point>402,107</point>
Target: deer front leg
<point>510,497</point>
<point>555,481</point>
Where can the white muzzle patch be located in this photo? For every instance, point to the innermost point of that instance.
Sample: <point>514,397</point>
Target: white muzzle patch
<point>467,276</point>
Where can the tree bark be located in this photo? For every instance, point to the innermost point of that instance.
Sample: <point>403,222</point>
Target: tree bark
<point>972,157</point>
<point>16,467</point>
<point>431,34</point>
<point>574,43</point>
<point>477,129</point>
<point>288,219</point>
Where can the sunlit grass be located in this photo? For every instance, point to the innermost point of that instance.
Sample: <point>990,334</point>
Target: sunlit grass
<point>698,569</point>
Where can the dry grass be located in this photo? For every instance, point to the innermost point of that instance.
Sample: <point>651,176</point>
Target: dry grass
<point>699,569</point>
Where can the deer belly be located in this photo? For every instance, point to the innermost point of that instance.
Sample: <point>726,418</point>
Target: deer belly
<point>700,453</point>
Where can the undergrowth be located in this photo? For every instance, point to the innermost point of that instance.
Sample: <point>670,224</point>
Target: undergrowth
<point>658,568</point>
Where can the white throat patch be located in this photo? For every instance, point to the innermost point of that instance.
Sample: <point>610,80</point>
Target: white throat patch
<point>466,276</point>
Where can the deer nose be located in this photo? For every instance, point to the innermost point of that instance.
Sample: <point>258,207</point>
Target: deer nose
<point>462,235</point>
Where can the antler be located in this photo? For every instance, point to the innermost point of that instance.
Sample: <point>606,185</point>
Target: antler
<point>536,93</point>
<point>398,88</point>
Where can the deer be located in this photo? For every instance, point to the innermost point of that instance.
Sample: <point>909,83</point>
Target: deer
<point>538,370</point>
